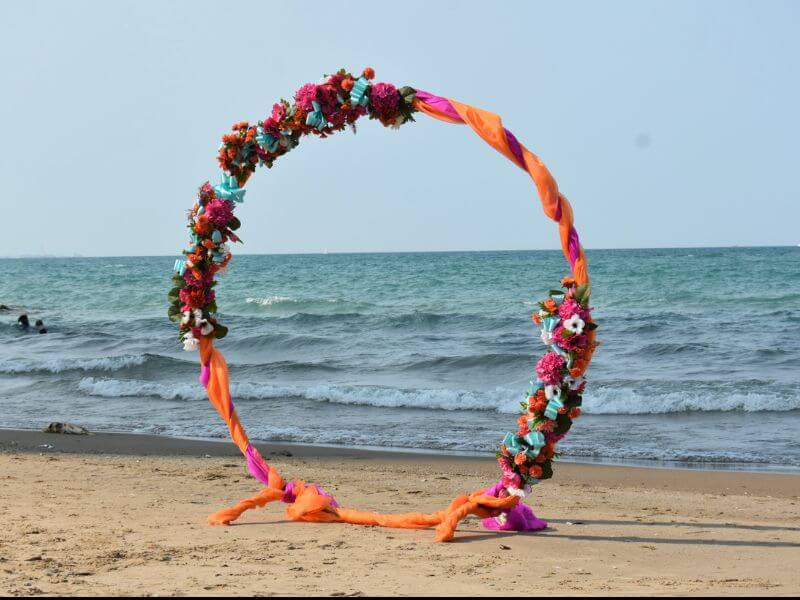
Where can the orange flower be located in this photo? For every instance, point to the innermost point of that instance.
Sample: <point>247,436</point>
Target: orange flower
<point>369,72</point>
<point>347,84</point>
<point>208,244</point>
<point>574,413</point>
<point>522,421</point>
<point>550,305</point>
<point>520,459</point>
<point>536,318</point>
<point>568,281</point>
<point>202,226</point>
<point>535,471</point>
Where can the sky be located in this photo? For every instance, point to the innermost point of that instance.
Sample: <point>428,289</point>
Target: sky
<point>665,123</point>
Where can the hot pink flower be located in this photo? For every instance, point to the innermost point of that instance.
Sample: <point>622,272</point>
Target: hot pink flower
<point>511,478</point>
<point>192,281</point>
<point>305,95</point>
<point>219,212</point>
<point>550,368</point>
<point>571,307</point>
<point>278,112</point>
<point>570,342</point>
<point>385,99</point>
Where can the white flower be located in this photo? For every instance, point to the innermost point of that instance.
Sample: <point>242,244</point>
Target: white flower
<point>552,391</point>
<point>205,327</point>
<point>574,382</point>
<point>186,317</point>
<point>574,324</point>
<point>198,315</point>
<point>190,342</point>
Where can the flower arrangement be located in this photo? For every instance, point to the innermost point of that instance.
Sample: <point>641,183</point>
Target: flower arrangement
<point>319,109</point>
<point>554,398</point>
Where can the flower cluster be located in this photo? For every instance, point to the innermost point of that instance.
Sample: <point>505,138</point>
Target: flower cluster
<point>211,225</point>
<point>554,397</point>
<point>320,109</point>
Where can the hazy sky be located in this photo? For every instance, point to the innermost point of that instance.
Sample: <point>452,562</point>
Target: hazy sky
<point>665,123</point>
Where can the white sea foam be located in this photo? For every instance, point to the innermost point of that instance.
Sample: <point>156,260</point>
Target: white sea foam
<point>271,300</point>
<point>501,400</point>
<point>61,364</point>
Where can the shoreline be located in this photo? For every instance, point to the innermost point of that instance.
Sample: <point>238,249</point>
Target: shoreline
<point>784,485</point>
<point>147,444</point>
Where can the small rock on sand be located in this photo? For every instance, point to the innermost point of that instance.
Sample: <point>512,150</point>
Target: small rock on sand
<point>67,428</point>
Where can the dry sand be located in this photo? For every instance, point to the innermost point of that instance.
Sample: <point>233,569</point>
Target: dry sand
<point>117,515</point>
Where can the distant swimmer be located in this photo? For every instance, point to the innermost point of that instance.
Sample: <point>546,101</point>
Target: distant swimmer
<point>40,326</point>
<point>23,321</point>
<point>4,308</point>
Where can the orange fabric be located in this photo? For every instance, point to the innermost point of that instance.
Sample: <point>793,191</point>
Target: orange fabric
<point>219,391</point>
<point>311,506</point>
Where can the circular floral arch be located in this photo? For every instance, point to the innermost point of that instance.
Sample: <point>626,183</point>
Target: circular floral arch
<point>553,399</point>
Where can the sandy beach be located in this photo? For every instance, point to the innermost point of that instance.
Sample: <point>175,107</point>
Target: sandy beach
<point>121,514</point>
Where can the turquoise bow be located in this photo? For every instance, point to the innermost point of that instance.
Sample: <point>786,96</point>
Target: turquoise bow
<point>228,189</point>
<point>218,256</point>
<point>267,141</point>
<point>555,404</point>
<point>530,444</point>
<point>358,95</point>
<point>180,266</point>
<point>216,236</point>
<point>549,323</point>
<point>535,439</point>
<point>315,118</point>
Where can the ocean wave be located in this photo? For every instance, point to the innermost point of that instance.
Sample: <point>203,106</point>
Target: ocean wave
<point>284,306</point>
<point>468,362</point>
<point>60,365</point>
<point>366,395</point>
<point>609,401</point>
<point>626,401</point>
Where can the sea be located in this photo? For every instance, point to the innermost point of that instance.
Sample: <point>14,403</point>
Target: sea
<point>698,363</point>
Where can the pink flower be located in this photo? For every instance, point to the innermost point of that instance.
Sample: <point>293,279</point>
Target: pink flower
<point>278,112</point>
<point>571,307</point>
<point>385,99</point>
<point>219,212</point>
<point>569,342</point>
<point>511,478</point>
<point>192,281</point>
<point>325,95</point>
<point>550,368</point>
<point>305,95</point>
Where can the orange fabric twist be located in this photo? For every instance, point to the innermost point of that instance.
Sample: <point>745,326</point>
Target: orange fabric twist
<point>312,506</point>
<point>271,493</point>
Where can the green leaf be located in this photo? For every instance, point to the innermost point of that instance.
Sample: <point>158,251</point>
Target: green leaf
<point>220,331</point>
<point>234,224</point>
<point>582,293</point>
<point>555,293</point>
<point>591,326</point>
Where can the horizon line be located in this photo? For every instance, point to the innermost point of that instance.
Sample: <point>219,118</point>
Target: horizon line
<point>326,253</point>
